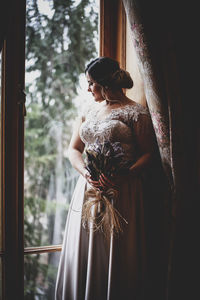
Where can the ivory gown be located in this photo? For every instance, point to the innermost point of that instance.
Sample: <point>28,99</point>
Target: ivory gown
<point>136,260</point>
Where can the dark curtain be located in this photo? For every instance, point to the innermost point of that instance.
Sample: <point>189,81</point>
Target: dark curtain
<point>165,36</point>
<point>6,15</point>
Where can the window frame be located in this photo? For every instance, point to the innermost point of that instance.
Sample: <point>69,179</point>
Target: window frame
<point>12,134</point>
<point>113,30</point>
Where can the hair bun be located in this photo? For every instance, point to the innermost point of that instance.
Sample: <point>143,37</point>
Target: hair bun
<point>122,79</point>
<point>106,72</point>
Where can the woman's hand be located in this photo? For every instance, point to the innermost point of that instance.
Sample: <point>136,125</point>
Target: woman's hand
<point>102,183</point>
<point>141,164</point>
<point>105,182</point>
<point>133,171</point>
<point>93,183</point>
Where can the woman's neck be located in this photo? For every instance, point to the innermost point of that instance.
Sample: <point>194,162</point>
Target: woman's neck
<point>116,97</point>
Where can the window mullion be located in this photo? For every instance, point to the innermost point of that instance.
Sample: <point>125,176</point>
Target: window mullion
<point>45,249</point>
<point>14,58</point>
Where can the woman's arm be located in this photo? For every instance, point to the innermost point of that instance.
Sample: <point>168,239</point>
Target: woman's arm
<point>75,150</point>
<point>146,142</point>
<point>142,162</point>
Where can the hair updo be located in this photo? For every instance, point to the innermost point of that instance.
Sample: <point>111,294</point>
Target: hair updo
<point>106,72</point>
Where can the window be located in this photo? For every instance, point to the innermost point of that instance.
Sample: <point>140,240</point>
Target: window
<point>60,39</point>
<point>31,179</point>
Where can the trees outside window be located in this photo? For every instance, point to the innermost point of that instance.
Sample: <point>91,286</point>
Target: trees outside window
<point>61,37</point>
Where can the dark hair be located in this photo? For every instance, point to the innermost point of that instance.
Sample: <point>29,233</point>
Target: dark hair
<point>106,72</point>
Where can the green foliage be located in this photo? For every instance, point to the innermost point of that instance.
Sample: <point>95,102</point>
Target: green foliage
<point>58,46</point>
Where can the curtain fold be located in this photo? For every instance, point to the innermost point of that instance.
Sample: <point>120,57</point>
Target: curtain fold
<point>164,36</point>
<point>157,101</point>
<point>154,65</point>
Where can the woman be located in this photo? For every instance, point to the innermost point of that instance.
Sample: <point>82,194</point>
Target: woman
<point>127,265</point>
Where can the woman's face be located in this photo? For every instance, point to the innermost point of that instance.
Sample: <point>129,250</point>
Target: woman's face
<point>95,89</point>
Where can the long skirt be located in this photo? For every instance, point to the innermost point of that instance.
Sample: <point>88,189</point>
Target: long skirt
<point>128,265</point>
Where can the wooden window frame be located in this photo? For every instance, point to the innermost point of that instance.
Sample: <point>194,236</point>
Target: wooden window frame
<point>112,31</point>
<point>13,65</point>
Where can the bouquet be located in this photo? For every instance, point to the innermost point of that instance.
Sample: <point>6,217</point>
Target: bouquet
<point>105,158</point>
<point>104,161</point>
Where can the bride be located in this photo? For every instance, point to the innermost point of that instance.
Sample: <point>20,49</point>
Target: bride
<point>127,265</point>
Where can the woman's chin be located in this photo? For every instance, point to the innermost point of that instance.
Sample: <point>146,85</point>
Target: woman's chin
<point>98,99</point>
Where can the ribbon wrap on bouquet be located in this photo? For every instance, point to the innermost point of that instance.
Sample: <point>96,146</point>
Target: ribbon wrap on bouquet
<point>99,213</point>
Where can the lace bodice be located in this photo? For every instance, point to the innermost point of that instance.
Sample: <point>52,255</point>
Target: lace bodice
<point>117,126</point>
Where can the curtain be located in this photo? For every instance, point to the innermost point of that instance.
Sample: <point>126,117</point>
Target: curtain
<point>164,37</point>
<point>6,14</point>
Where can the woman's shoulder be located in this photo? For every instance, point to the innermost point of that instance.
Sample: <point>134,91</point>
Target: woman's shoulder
<point>132,110</point>
<point>87,110</point>
<point>135,106</point>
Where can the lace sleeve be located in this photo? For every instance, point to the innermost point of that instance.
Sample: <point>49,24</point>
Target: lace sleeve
<point>131,113</point>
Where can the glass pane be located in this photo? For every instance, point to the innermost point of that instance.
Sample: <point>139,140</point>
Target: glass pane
<point>61,38</point>
<point>40,276</point>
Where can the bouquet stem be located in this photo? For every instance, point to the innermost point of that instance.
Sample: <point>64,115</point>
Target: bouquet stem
<point>104,217</point>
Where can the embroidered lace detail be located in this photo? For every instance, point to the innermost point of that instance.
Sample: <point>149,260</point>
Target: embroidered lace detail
<point>116,126</point>
<point>129,111</point>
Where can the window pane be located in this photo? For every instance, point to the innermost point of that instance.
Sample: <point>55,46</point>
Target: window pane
<point>61,37</point>
<point>40,275</point>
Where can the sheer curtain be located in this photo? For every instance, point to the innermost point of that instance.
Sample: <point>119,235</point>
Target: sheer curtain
<point>164,36</point>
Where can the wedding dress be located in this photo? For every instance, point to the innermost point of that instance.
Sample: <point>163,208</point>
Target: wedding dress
<point>129,265</point>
